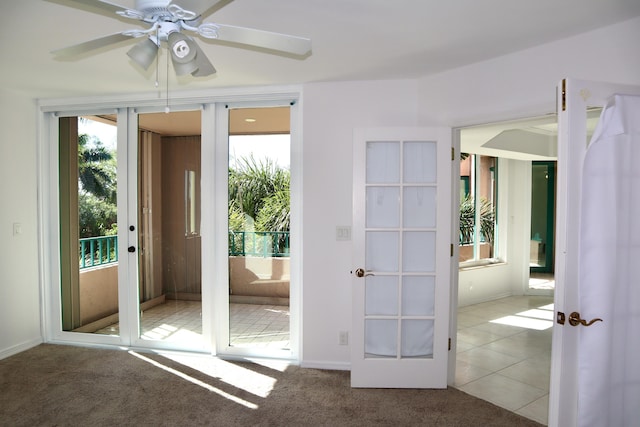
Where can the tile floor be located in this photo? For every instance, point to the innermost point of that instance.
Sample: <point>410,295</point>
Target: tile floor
<point>504,353</point>
<point>250,324</point>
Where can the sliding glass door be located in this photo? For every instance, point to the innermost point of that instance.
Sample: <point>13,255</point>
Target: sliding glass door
<point>169,239</point>
<point>169,246</point>
<point>88,169</point>
<point>153,240</point>
<point>259,229</point>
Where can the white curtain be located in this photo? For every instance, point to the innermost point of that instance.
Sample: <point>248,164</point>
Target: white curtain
<point>609,351</point>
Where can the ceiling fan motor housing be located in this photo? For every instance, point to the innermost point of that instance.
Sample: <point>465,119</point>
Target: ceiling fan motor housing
<point>151,6</point>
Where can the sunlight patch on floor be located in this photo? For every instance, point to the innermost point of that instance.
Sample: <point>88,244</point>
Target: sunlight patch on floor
<point>539,319</point>
<point>196,381</point>
<point>230,373</point>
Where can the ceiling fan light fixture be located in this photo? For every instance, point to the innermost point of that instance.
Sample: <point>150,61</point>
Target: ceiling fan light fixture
<point>143,53</point>
<point>183,53</point>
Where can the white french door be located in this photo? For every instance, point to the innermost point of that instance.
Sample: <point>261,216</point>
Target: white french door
<point>575,97</point>
<point>402,257</point>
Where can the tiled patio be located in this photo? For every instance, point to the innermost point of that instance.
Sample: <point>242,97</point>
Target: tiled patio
<point>251,325</point>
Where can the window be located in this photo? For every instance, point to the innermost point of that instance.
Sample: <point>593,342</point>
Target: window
<point>478,208</point>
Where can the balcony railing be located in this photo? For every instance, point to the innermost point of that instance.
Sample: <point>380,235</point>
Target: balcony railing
<point>263,244</point>
<point>96,251</point>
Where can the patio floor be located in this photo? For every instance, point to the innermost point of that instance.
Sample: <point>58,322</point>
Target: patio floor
<point>251,325</point>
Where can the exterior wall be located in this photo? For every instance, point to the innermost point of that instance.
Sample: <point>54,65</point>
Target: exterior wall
<point>260,277</point>
<point>98,293</point>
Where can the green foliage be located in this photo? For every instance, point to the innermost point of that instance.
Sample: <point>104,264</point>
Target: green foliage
<point>97,183</point>
<point>467,220</point>
<point>275,214</point>
<point>258,196</point>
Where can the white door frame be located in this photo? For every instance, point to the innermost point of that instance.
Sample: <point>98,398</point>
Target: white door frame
<point>218,209</point>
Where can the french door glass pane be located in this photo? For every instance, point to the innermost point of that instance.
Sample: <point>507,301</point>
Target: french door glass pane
<point>382,251</point>
<point>381,295</point>
<point>383,207</point>
<point>380,338</point>
<point>419,162</point>
<point>418,295</point>
<point>383,162</point>
<point>417,338</point>
<point>419,207</point>
<point>419,251</point>
<point>88,224</point>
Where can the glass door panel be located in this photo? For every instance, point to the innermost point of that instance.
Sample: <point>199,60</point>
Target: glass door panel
<point>400,241</point>
<point>88,224</point>
<point>542,216</point>
<point>259,229</point>
<point>169,242</point>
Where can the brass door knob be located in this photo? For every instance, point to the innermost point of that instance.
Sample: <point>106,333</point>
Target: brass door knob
<point>360,272</point>
<point>575,320</point>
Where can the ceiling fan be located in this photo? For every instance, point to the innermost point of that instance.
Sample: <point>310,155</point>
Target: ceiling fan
<point>166,21</point>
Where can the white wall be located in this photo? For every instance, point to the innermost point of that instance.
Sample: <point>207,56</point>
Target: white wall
<point>19,289</point>
<point>331,112</point>
<point>523,84</point>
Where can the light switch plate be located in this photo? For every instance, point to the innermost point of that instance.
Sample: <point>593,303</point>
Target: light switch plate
<point>343,232</point>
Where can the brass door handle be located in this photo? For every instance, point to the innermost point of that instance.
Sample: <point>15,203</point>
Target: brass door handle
<point>361,273</point>
<point>575,320</point>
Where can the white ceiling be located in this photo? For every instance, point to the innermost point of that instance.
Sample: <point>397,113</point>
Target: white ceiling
<point>352,40</point>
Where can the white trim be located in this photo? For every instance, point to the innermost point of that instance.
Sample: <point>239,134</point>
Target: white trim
<point>19,348</point>
<point>176,99</point>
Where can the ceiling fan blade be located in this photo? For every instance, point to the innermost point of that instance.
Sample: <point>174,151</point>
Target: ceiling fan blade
<point>205,67</point>
<point>91,45</point>
<point>201,7</point>
<point>265,39</point>
<point>100,4</point>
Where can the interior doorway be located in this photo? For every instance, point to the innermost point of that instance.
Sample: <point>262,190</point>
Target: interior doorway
<point>504,330</point>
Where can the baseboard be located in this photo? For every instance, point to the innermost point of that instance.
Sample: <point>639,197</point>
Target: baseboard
<point>19,348</point>
<point>329,366</point>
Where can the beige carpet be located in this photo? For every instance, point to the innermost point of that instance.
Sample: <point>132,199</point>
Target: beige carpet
<point>53,385</point>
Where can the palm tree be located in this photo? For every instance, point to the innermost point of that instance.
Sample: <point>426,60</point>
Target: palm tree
<point>97,188</point>
<point>255,184</point>
<point>259,200</point>
<point>96,168</point>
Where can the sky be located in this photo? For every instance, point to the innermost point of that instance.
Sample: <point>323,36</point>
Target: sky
<point>275,147</point>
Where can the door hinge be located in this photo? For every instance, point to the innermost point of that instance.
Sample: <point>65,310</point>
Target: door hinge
<point>453,153</point>
<point>564,94</point>
<point>451,249</point>
<point>449,344</point>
